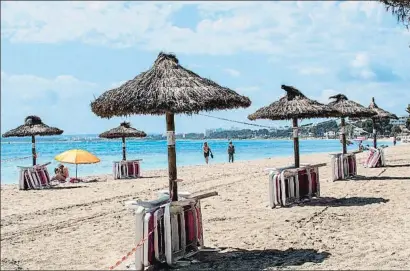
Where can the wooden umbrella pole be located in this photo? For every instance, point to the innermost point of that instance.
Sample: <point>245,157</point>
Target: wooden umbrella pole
<point>123,149</point>
<point>172,157</point>
<point>296,141</point>
<point>33,149</point>
<point>342,130</point>
<point>374,134</point>
<point>76,168</point>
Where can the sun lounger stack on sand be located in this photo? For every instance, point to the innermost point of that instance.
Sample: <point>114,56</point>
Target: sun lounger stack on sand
<point>375,158</point>
<point>35,177</point>
<point>127,169</point>
<point>170,230</point>
<point>343,166</point>
<point>291,185</point>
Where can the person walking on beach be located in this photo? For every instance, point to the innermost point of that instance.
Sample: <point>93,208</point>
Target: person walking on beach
<point>207,152</point>
<point>394,140</point>
<point>231,151</point>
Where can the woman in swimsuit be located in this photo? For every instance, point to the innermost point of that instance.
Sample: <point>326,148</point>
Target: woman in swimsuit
<point>207,151</point>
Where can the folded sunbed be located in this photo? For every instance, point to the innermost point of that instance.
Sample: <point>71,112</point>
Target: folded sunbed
<point>289,185</point>
<point>169,230</point>
<point>127,169</point>
<point>35,177</point>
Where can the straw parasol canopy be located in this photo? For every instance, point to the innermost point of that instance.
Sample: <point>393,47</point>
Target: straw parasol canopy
<point>348,108</point>
<point>380,115</point>
<point>33,126</point>
<point>294,105</point>
<point>167,88</point>
<point>123,131</point>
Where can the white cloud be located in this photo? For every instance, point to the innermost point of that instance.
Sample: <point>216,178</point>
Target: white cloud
<point>29,86</point>
<point>63,99</point>
<point>232,72</point>
<point>324,96</point>
<point>361,60</point>
<point>222,28</point>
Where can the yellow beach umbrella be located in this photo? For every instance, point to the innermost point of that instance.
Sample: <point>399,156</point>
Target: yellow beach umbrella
<point>77,157</point>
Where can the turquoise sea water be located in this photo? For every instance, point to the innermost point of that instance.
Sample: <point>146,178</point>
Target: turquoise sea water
<point>153,152</point>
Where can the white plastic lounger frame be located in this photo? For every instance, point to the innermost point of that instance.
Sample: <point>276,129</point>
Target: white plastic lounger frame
<point>29,177</point>
<point>375,158</point>
<point>121,169</point>
<point>278,183</point>
<point>169,240</point>
<point>143,218</point>
<point>343,166</point>
<point>176,236</point>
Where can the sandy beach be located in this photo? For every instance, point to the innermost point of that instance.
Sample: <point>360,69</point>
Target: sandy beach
<point>360,224</point>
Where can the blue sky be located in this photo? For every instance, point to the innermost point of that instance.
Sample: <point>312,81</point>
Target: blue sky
<point>56,56</point>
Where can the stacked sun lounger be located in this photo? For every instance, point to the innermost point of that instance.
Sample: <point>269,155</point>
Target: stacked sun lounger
<point>170,230</point>
<point>375,158</point>
<point>343,166</point>
<point>127,169</point>
<point>35,177</point>
<point>290,185</point>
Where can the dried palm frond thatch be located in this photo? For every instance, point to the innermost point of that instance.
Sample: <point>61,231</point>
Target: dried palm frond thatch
<point>167,88</point>
<point>400,8</point>
<point>123,131</point>
<point>380,114</point>
<point>33,126</point>
<point>348,108</point>
<point>294,105</point>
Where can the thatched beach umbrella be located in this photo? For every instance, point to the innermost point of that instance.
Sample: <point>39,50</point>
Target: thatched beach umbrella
<point>351,109</point>
<point>167,89</point>
<point>294,105</point>
<point>33,126</point>
<point>123,131</point>
<point>380,115</point>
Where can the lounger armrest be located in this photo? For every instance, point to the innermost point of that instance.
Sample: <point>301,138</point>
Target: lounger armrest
<point>36,166</point>
<point>279,169</point>
<point>153,203</point>
<point>43,165</point>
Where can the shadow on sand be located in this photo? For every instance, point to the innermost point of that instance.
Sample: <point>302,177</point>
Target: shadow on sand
<point>151,177</point>
<point>63,187</point>
<point>378,178</point>
<point>343,202</point>
<point>406,165</point>
<point>245,260</point>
